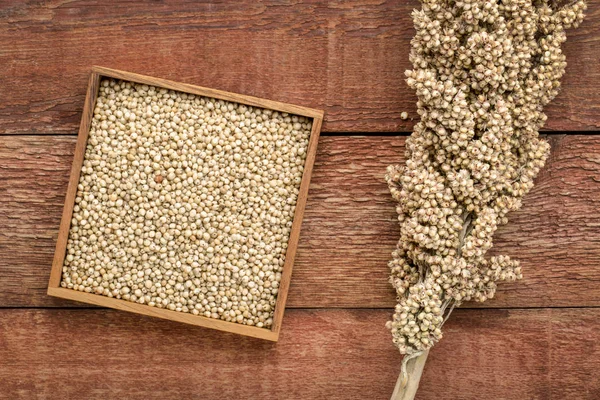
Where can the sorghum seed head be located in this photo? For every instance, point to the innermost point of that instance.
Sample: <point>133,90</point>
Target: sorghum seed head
<point>482,71</point>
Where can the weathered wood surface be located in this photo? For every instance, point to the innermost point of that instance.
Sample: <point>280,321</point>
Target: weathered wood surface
<point>346,57</point>
<point>349,228</point>
<point>322,354</point>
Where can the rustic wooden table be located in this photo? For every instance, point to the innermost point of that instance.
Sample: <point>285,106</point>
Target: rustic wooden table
<point>536,340</point>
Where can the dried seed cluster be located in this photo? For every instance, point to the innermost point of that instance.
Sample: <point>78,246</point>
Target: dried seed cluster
<point>185,202</point>
<point>482,71</point>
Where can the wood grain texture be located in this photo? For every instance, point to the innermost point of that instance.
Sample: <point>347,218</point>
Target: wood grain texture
<point>290,255</point>
<point>349,227</point>
<point>69,203</point>
<point>207,92</point>
<point>346,57</point>
<point>187,318</point>
<point>322,354</point>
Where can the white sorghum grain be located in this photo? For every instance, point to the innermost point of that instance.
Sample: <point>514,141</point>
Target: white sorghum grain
<point>482,71</point>
<point>185,202</point>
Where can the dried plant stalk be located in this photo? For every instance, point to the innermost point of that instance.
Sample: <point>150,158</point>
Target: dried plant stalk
<point>482,71</point>
<point>408,380</point>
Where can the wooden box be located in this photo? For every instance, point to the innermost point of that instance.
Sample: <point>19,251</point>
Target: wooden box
<point>54,287</point>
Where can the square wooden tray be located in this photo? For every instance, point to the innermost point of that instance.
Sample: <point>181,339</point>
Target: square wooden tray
<point>54,288</point>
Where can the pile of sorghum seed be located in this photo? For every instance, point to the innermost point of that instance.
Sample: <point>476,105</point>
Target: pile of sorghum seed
<point>483,72</point>
<point>185,202</point>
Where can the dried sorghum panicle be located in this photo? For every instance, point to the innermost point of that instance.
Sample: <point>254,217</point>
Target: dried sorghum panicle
<point>482,71</point>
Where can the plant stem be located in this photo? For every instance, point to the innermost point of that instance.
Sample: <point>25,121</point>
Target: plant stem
<point>410,376</point>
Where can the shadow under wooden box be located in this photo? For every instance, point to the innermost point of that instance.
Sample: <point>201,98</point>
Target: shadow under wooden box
<point>54,286</point>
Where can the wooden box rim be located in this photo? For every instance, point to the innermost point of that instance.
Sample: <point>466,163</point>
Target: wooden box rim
<point>54,288</point>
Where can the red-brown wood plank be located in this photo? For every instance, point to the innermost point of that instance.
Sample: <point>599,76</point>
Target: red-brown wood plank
<point>346,57</point>
<point>322,354</point>
<point>349,228</point>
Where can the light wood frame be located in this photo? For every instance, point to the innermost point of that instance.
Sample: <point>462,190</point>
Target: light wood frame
<point>54,288</point>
